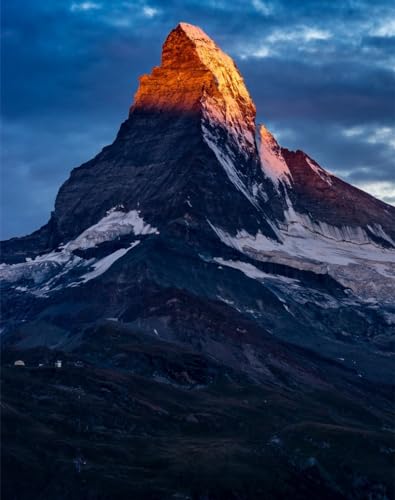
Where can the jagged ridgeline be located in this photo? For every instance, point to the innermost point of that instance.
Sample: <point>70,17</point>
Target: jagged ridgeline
<point>213,295</point>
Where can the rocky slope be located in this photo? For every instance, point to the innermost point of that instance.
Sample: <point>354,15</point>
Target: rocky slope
<point>325,198</point>
<point>197,259</point>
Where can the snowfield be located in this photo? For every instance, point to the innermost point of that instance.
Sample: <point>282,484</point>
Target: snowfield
<point>347,254</point>
<point>116,223</point>
<point>48,272</point>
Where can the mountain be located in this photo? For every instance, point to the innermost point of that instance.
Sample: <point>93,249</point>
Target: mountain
<point>223,306</point>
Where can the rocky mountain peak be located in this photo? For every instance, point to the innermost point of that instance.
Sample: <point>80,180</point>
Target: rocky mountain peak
<point>272,161</point>
<point>267,138</point>
<point>196,76</point>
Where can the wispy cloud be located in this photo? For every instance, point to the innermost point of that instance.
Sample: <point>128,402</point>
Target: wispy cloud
<point>275,41</point>
<point>150,11</point>
<point>256,52</point>
<point>262,7</point>
<point>372,135</point>
<point>384,190</point>
<point>303,33</point>
<point>84,6</point>
<point>384,29</point>
<point>353,131</point>
<point>382,135</point>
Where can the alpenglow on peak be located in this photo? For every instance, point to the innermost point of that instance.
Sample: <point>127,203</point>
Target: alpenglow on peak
<point>195,75</point>
<point>192,64</point>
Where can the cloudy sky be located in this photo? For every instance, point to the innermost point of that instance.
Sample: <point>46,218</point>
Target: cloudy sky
<point>321,72</point>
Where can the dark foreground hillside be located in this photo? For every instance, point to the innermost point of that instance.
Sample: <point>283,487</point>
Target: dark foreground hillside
<point>133,417</point>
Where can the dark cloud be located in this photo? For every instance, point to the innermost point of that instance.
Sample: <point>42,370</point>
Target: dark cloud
<point>317,70</point>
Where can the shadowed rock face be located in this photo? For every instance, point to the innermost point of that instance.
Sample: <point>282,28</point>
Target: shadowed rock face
<point>229,300</point>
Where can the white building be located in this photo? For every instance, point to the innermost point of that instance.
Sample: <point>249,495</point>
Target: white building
<point>19,362</point>
<point>58,363</point>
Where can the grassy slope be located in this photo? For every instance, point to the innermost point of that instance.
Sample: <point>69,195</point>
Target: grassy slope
<point>209,432</point>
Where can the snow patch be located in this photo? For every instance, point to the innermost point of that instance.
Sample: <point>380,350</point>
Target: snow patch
<point>303,243</point>
<point>247,269</point>
<point>44,271</point>
<point>228,125</point>
<point>251,271</point>
<point>223,155</point>
<point>346,254</point>
<point>116,223</point>
<point>102,265</point>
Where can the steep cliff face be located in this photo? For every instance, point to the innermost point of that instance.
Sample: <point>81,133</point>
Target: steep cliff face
<point>195,73</point>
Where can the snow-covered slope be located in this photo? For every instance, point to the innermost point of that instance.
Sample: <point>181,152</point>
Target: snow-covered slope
<point>67,265</point>
<point>326,225</point>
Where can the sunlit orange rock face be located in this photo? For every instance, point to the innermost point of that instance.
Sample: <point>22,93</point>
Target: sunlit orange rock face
<point>196,76</point>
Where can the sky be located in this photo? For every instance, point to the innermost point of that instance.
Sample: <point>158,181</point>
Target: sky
<point>321,73</point>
